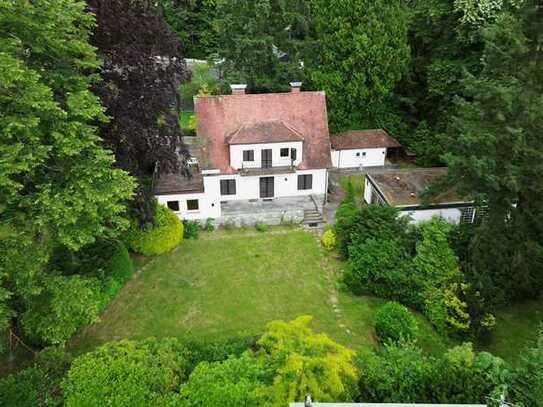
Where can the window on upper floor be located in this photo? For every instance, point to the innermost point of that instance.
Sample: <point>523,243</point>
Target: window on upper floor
<point>193,205</point>
<point>173,205</point>
<point>228,187</point>
<point>305,182</point>
<point>285,152</point>
<point>248,155</point>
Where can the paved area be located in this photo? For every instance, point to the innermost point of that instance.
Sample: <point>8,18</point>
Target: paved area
<point>245,207</point>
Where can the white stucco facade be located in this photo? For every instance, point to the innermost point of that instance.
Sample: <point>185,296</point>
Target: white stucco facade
<point>451,215</point>
<point>247,187</point>
<point>354,158</point>
<point>236,154</point>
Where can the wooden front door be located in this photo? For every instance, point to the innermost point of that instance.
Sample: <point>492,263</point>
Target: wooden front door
<point>266,158</point>
<point>266,187</point>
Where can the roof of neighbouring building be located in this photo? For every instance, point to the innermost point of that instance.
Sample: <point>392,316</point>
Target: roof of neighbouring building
<point>247,118</point>
<point>173,184</point>
<point>353,139</point>
<point>405,188</point>
<point>273,131</point>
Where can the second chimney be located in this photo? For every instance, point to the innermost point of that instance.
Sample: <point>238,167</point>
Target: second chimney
<point>238,89</point>
<point>295,87</point>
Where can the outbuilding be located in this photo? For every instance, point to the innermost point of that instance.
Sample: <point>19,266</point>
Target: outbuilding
<point>363,148</point>
<point>404,190</point>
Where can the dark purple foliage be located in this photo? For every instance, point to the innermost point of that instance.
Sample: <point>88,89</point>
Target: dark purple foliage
<point>143,67</point>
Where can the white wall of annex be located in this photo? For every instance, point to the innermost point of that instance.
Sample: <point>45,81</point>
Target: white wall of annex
<point>375,157</point>
<point>368,191</point>
<point>236,154</point>
<point>451,215</point>
<point>208,206</point>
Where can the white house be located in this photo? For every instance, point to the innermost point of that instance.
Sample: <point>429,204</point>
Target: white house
<point>263,158</point>
<point>404,190</point>
<point>362,148</point>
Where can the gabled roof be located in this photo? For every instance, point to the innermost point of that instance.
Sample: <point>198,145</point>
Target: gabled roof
<point>404,188</point>
<point>303,113</point>
<point>273,131</point>
<point>353,139</point>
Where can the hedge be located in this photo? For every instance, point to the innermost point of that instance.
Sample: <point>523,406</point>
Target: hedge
<point>394,322</point>
<point>164,236</point>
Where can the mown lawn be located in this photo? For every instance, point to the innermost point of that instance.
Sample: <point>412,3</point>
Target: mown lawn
<point>517,326</point>
<point>233,283</point>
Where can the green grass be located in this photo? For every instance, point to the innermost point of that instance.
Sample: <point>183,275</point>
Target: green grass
<point>517,325</point>
<point>234,282</point>
<point>357,182</point>
<point>184,119</point>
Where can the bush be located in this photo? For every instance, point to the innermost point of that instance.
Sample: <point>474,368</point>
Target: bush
<point>209,225</point>
<point>163,237</point>
<point>191,229</point>
<point>115,271</point>
<point>403,373</point>
<point>127,373</point>
<point>38,385</point>
<point>394,322</point>
<point>65,304</point>
<point>328,239</point>
<point>374,221</point>
<point>261,227</point>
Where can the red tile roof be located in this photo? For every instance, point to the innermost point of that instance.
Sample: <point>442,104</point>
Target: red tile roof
<point>274,131</point>
<point>376,138</point>
<point>302,112</point>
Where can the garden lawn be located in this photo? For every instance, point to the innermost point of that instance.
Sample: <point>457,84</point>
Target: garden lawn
<point>517,326</point>
<point>233,283</point>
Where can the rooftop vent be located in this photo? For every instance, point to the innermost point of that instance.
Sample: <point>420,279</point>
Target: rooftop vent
<point>295,87</point>
<point>238,89</point>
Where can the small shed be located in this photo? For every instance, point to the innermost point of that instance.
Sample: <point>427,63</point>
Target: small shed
<point>363,148</point>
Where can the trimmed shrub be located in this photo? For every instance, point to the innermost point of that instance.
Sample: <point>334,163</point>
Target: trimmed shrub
<point>394,322</point>
<point>328,239</point>
<point>191,229</point>
<point>262,227</point>
<point>115,272</point>
<point>166,234</point>
<point>128,373</point>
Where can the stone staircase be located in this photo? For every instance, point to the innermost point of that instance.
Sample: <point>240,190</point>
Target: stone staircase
<point>313,217</point>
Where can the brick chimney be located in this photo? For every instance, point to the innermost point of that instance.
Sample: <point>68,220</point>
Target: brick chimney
<point>295,87</point>
<point>238,89</point>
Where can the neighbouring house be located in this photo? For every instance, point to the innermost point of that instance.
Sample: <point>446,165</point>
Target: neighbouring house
<point>363,148</point>
<point>261,158</point>
<point>404,189</point>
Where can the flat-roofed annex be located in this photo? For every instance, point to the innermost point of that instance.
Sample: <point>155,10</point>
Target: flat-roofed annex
<point>405,188</point>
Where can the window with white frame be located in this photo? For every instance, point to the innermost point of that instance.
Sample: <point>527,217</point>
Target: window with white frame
<point>248,155</point>
<point>284,152</point>
<point>305,182</point>
<point>193,205</point>
<point>173,205</point>
<point>468,215</point>
<point>228,187</point>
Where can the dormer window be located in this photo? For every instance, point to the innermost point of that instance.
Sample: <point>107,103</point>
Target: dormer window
<point>248,155</point>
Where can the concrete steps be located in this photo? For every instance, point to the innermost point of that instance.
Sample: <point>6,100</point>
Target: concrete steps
<point>313,218</point>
